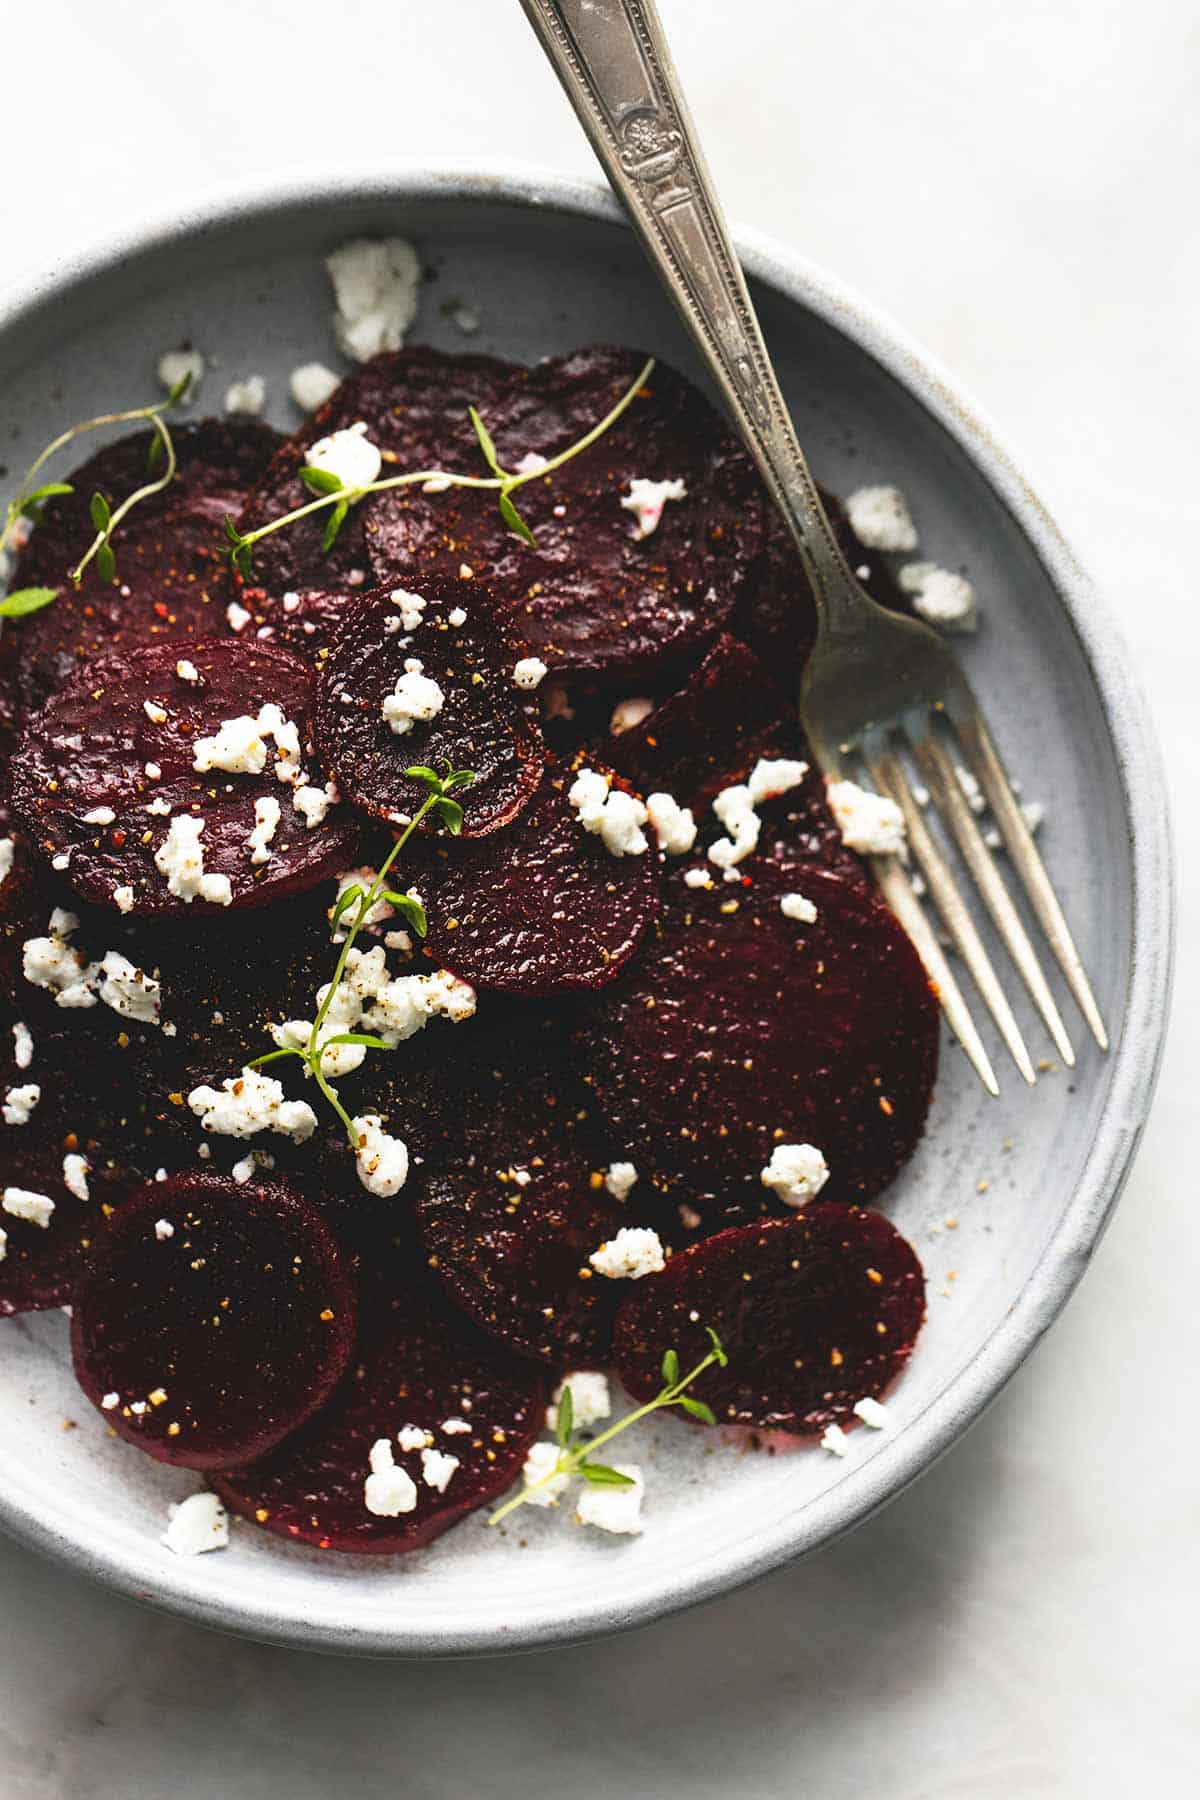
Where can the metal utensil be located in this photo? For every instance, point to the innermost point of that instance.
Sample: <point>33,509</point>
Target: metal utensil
<point>877,687</point>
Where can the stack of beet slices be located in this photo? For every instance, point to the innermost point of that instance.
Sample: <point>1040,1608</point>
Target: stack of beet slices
<point>196,761</point>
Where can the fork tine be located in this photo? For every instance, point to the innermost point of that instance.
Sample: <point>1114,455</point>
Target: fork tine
<point>939,773</point>
<point>889,775</point>
<point>897,891</point>
<point>1026,859</point>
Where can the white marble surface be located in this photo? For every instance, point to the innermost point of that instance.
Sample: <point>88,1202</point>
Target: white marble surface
<point>1017,185</point>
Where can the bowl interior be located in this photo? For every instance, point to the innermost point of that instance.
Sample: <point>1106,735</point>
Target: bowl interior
<point>993,1199</point>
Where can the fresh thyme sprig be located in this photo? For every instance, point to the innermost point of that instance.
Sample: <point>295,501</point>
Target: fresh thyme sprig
<point>330,492</point>
<point>360,901</point>
<point>32,495</point>
<point>575,1453</point>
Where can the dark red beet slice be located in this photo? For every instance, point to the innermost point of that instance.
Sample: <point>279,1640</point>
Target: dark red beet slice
<point>591,596</point>
<point>742,1029</point>
<point>221,1336</point>
<point>542,908</point>
<point>483,725</point>
<point>173,578</point>
<point>815,1313</point>
<point>416,1365</point>
<point>85,756</point>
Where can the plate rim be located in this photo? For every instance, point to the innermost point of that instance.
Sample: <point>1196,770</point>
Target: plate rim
<point>1136,1057</point>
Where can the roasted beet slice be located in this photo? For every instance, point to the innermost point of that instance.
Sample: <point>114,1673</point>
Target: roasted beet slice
<point>220,1335</point>
<point>815,1313</point>
<point>542,908</point>
<point>592,596</point>
<point>416,1365</point>
<point>456,640</point>
<point>84,781</point>
<point>173,576</point>
<point>742,1028</point>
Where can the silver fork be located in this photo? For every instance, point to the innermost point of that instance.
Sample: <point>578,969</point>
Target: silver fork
<point>876,684</point>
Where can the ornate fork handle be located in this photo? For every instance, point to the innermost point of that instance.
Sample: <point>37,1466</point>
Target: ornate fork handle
<point>612,58</point>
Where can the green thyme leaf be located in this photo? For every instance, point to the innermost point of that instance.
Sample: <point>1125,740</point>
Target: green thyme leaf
<point>321,481</point>
<point>717,1347</point>
<point>358,1037</point>
<point>451,815</point>
<point>458,778</point>
<point>600,1475</point>
<point>180,389</point>
<point>485,442</point>
<point>697,1409</point>
<point>232,533</point>
<point>566,1417</point>
<point>411,910</point>
<point>430,777</point>
<point>515,522</point>
<point>346,899</point>
<point>670,1368</point>
<point>47,491</point>
<point>337,519</point>
<point>26,600</point>
<point>106,563</point>
<point>101,512</point>
<point>243,560</point>
<point>155,455</point>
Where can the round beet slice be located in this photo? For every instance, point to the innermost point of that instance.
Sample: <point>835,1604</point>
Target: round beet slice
<point>542,908</point>
<point>742,1028</point>
<point>815,1313</point>
<point>457,641</point>
<point>416,1365</point>
<point>220,1315</point>
<point>105,774</point>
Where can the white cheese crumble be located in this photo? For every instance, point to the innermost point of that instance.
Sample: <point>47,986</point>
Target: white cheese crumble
<point>772,776</point>
<point>75,1175</point>
<point>197,1524</point>
<point>869,823</point>
<point>610,814</point>
<point>163,1228</point>
<point>99,815</point>
<point>382,1160</point>
<point>539,1462</point>
<point>940,597</point>
<point>457,616</point>
<point>632,1253</point>
<point>376,284</point>
<point>615,1509</point>
<point>971,791</point>
<point>313,803</point>
<point>590,1399</point>
<point>157,715</point>
<point>349,454</point>
<point>415,699</point>
<point>237,616</point>
<point>124,895</point>
<point>267,814</point>
<point>734,809</point>
<point>22,1044</point>
<point>128,989</point>
<point>795,906</point>
<point>312,384</point>
<point>238,747</point>
<point>436,1469</point>
<point>674,825</point>
<point>698,878</point>
<point>50,962</point>
<point>646,499</point>
<point>388,1490</point>
<point>880,519</point>
<point>186,670</point>
<point>247,397</point>
<point>35,1209</point>
<point>529,673</point>
<point>796,1172</point>
<point>412,609</point>
<point>872,1413</point>
<point>835,1440</point>
<point>19,1103</point>
<point>180,857</point>
<point>532,463</point>
<point>110,1402</point>
<point>7,846</point>
<point>173,365</point>
<point>248,1103</point>
<point>455,1427</point>
<point>628,713</point>
<point>412,1437</point>
<point>621,1179</point>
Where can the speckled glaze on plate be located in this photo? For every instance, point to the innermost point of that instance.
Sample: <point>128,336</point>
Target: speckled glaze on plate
<point>241,277</point>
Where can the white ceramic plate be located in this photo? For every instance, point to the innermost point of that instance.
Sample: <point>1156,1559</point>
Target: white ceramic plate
<point>548,266</point>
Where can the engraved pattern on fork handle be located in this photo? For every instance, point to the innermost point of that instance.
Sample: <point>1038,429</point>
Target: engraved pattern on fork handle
<point>612,59</point>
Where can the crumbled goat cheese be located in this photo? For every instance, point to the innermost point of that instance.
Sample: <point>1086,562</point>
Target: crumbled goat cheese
<point>50,962</point>
<point>173,365</point>
<point>468,322</point>
<point>871,1413</point>
<point>312,384</point>
<point>532,463</point>
<point>382,1160</point>
<point>129,990</point>
<point>616,1509</point>
<point>22,1044</point>
<point>248,1103</point>
<point>365,879</point>
<point>868,822</point>
<point>646,500</point>
<point>539,1462</point>
<point>698,878</point>
<point>238,747</point>
<point>35,1209</point>
<point>880,519</point>
<point>796,1172</point>
<point>621,1179</point>
<point>611,814</point>
<point>187,670</point>
<point>242,1171</point>
<point>940,597</point>
<point>163,1228</point>
<point>412,1437</point>
<point>267,814</point>
<point>349,454</point>
<point>237,616</point>
<point>99,815</point>
<point>772,776</point>
<point>455,1427</point>
<point>632,1253</point>
<point>153,772</point>
<point>313,803</point>
<point>75,1174</point>
<point>628,713</point>
<point>246,397</point>
<point>674,825</point>
<point>19,1103</point>
<point>457,616</point>
<point>590,1399</point>
<point>197,1524</point>
<point>735,810</point>
<point>160,808</point>
<point>436,1469</point>
<point>180,857</point>
<point>415,699</point>
<point>110,1402</point>
<point>529,673</point>
<point>7,846</point>
<point>835,1440</point>
<point>375,284</point>
<point>388,1490</point>
<point>157,715</point>
<point>124,895</point>
<point>412,608</point>
<point>971,791</point>
<point>795,906</point>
